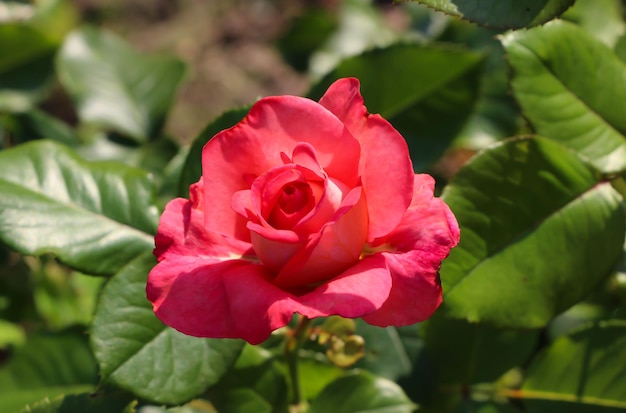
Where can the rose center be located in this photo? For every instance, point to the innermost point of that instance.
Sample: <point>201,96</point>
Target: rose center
<point>294,201</point>
<point>293,198</point>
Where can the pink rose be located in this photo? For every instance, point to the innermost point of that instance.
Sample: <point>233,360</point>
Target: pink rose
<point>303,207</point>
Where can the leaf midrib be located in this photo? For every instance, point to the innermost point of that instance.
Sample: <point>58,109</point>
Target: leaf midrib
<point>71,206</point>
<point>566,88</point>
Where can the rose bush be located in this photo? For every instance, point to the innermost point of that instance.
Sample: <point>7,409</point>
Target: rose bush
<point>303,207</point>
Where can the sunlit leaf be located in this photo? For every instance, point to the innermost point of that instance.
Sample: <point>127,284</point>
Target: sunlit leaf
<point>362,392</point>
<point>139,353</point>
<point>502,13</point>
<point>94,217</point>
<point>29,37</point>
<point>539,230</point>
<point>601,18</point>
<point>582,372</point>
<point>316,373</point>
<point>556,81</point>
<point>10,334</point>
<point>114,86</point>
<point>385,354</point>
<point>360,27</point>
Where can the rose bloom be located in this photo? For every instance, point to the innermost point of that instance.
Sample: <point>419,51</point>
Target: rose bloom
<point>303,207</point>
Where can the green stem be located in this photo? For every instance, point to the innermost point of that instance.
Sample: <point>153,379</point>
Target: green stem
<point>292,347</point>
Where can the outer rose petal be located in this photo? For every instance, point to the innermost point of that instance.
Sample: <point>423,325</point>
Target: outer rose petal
<point>180,231</point>
<point>385,165</point>
<point>422,240</point>
<point>273,126</point>
<point>416,291</point>
<point>234,299</point>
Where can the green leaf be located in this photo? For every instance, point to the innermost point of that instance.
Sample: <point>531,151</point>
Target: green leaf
<point>36,124</point>
<point>16,288</point>
<point>192,169</point>
<point>581,314</point>
<point>427,96</point>
<point>52,359</point>
<point>26,66</point>
<point>583,372</point>
<point>360,27</point>
<point>620,48</point>
<point>19,399</point>
<point>385,354</point>
<point>601,18</point>
<point>362,392</point>
<point>466,353</point>
<point>242,400</point>
<point>315,373</point>
<point>139,353</point>
<point>28,47</point>
<point>256,379</point>
<point>306,33</point>
<point>539,231</point>
<point>456,403</point>
<point>94,217</point>
<point>496,115</point>
<point>91,403</point>
<point>116,87</point>
<point>505,14</point>
<point>11,334</point>
<point>555,79</point>
<point>47,365</point>
<point>63,299</point>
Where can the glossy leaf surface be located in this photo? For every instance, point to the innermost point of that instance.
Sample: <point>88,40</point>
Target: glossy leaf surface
<point>98,68</point>
<point>582,372</point>
<point>509,14</point>
<point>139,353</point>
<point>555,79</point>
<point>499,272</point>
<point>361,393</point>
<point>94,217</point>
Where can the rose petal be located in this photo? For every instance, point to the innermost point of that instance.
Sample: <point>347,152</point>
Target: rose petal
<point>415,292</point>
<point>181,231</point>
<point>422,240</point>
<point>360,290</point>
<point>273,126</point>
<point>234,299</point>
<point>385,166</point>
<point>199,300</point>
<point>428,224</point>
